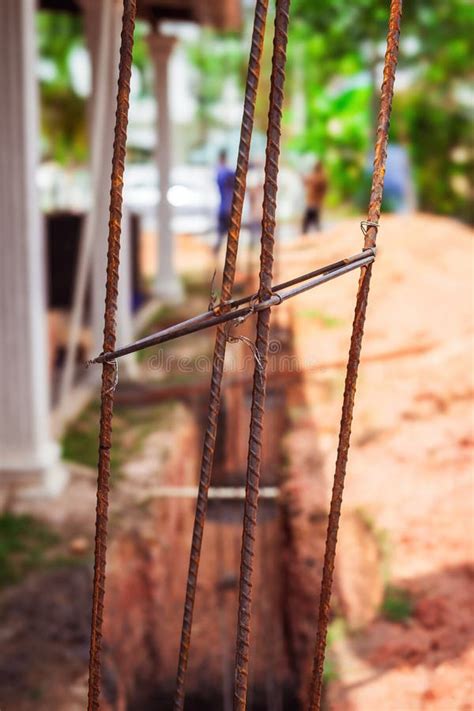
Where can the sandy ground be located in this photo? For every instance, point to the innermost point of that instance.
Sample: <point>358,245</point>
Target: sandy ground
<point>410,468</point>
<point>411,463</point>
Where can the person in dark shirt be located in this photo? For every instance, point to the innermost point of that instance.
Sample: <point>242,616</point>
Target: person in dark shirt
<point>225,182</point>
<point>316,187</point>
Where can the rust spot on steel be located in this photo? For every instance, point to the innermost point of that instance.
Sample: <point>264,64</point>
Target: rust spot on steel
<point>108,370</point>
<point>375,203</point>
<point>263,325</point>
<point>253,75</point>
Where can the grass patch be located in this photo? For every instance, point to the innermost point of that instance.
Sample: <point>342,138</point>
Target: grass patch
<point>164,316</point>
<point>397,605</point>
<point>80,441</point>
<point>337,630</point>
<point>381,539</point>
<point>131,426</point>
<point>330,672</point>
<point>326,320</point>
<point>198,285</point>
<point>24,546</point>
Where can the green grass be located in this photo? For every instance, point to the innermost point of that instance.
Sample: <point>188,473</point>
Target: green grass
<point>25,544</point>
<point>330,672</point>
<point>199,286</point>
<point>324,319</point>
<point>337,630</point>
<point>80,442</point>
<point>397,605</point>
<point>163,317</point>
<point>131,426</point>
<point>382,541</point>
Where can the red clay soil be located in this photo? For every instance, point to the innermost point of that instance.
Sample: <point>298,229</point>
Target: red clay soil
<point>409,480</point>
<point>411,463</point>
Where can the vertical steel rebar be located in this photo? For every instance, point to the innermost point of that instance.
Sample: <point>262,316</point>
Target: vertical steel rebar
<point>108,370</point>
<point>262,340</point>
<point>253,75</point>
<point>380,157</point>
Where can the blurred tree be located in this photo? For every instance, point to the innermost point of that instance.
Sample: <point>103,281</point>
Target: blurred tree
<point>63,124</point>
<point>216,58</point>
<point>341,50</point>
<point>64,130</point>
<point>335,57</point>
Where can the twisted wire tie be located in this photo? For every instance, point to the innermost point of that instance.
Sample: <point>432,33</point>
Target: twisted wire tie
<point>366,224</point>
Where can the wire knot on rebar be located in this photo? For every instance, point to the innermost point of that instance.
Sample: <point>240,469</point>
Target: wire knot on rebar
<point>365,225</point>
<point>235,323</point>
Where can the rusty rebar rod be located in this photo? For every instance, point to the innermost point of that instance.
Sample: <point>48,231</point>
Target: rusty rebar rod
<point>240,181</point>
<point>380,157</point>
<point>220,314</point>
<point>244,614</point>
<point>108,371</point>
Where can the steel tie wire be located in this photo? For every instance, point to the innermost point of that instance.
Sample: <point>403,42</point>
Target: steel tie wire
<point>262,340</point>
<point>207,460</point>
<point>108,369</point>
<point>370,234</point>
<point>228,311</point>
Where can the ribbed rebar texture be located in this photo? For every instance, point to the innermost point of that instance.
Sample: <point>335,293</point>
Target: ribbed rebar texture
<point>253,75</point>
<point>263,326</point>
<point>108,370</point>
<point>391,58</point>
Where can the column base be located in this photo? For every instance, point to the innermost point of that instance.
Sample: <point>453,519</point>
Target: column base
<point>43,476</point>
<point>169,289</point>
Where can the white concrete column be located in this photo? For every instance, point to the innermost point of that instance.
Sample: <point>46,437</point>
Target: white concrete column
<point>28,455</point>
<point>168,285</point>
<point>125,329</point>
<point>100,21</point>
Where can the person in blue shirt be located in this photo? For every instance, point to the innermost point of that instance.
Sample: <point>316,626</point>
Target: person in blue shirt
<point>225,182</point>
<point>399,193</point>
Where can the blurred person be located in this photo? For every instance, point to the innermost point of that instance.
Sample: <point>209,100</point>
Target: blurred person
<point>399,192</point>
<point>316,187</point>
<point>225,182</point>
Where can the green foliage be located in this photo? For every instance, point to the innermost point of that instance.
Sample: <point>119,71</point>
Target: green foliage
<point>131,427</point>
<point>216,58</point>
<point>64,129</point>
<point>330,672</point>
<point>59,34</point>
<point>63,112</point>
<point>24,544</point>
<point>335,55</point>
<point>80,443</point>
<point>326,320</point>
<point>339,49</point>
<point>337,630</point>
<point>397,605</point>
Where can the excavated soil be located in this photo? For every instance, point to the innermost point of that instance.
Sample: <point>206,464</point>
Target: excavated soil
<point>407,515</point>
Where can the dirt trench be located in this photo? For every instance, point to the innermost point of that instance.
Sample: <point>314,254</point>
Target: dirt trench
<point>148,564</point>
<point>148,556</point>
<point>148,560</point>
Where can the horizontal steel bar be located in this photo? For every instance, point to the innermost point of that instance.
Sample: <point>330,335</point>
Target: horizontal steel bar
<point>211,318</point>
<point>215,492</point>
<point>304,277</point>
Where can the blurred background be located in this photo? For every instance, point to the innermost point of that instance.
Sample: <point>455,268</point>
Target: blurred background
<point>401,634</point>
